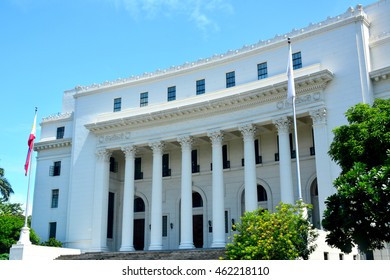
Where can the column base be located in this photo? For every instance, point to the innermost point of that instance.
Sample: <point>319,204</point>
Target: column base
<point>127,249</point>
<point>24,238</point>
<point>188,245</point>
<point>155,247</point>
<point>218,244</point>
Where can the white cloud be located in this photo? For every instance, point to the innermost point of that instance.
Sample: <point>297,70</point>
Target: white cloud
<point>200,12</point>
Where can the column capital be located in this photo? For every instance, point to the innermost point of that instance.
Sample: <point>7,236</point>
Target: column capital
<point>216,136</point>
<point>318,116</point>
<point>282,124</point>
<point>129,150</point>
<point>103,154</point>
<point>185,141</point>
<point>157,147</point>
<point>247,130</point>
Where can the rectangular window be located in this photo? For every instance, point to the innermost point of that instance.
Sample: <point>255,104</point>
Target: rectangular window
<point>144,99</point>
<point>54,198</point>
<point>277,148</point>
<point>113,165</point>
<point>138,174</point>
<point>200,86</point>
<point>226,222</point>
<point>110,215</point>
<point>164,226</point>
<point>194,161</point>
<point>230,79</point>
<point>258,157</point>
<point>292,151</point>
<point>52,230</point>
<point>60,132</point>
<point>171,93</point>
<point>297,60</point>
<point>55,170</point>
<point>166,172</point>
<point>226,162</point>
<point>117,104</point>
<point>262,71</point>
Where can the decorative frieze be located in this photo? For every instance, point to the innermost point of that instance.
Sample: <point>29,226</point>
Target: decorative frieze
<point>309,98</point>
<point>115,137</point>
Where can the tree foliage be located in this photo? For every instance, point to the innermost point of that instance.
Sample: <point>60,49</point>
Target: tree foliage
<point>283,235</point>
<point>10,226</point>
<point>358,213</point>
<point>5,187</point>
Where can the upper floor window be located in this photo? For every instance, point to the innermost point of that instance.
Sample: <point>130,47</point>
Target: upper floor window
<point>262,71</point>
<point>171,93</point>
<point>138,174</point>
<point>200,86</point>
<point>144,99</point>
<point>230,79</point>
<point>166,171</point>
<point>297,60</point>
<point>55,170</point>
<point>54,198</point>
<point>60,132</point>
<point>117,104</point>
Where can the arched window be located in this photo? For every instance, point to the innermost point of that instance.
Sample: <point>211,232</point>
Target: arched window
<point>197,200</point>
<point>139,205</point>
<point>315,217</point>
<point>262,198</point>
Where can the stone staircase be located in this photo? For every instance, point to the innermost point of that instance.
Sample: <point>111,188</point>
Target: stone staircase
<point>191,254</point>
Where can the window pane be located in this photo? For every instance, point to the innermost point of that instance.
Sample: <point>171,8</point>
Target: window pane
<point>297,60</point>
<point>200,87</point>
<point>60,132</point>
<point>144,99</point>
<point>262,71</point>
<point>230,79</point>
<point>54,198</point>
<point>171,93</point>
<point>117,104</point>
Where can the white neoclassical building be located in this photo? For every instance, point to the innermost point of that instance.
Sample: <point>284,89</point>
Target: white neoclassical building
<point>171,159</point>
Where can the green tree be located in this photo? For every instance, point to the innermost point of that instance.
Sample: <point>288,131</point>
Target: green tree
<point>7,208</point>
<point>10,226</point>
<point>283,235</point>
<point>5,187</point>
<point>358,213</point>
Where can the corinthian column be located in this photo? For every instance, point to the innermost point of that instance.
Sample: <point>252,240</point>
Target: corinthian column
<point>156,209</point>
<point>186,238</point>
<point>286,182</point>
<point>100,201</point>
<point>218,222</point>
<point>128,201</point>
<point>248,132</point>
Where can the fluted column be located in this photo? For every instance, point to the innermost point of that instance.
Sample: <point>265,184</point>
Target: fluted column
<point>286,182</point>
<point>156,209</point>
<point>218,222</point>
<point>324,175</point>
<point>186,238</point>
<point>128,201</point>
<point>248,133</point>
<point>100,201</point>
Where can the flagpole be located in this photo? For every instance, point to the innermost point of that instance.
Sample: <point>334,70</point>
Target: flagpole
<point>295,125</point>
<point>24,238</point>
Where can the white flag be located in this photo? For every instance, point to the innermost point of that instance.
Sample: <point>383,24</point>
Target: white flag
<point>290,75</point>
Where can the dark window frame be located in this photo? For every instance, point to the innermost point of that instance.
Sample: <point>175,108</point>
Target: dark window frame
<point>262,70</point>
<point>230,79</point>
<point>200,86</point>
<point>60,132</point>
<point>117,104</point>
<point>171,93</point>
<point>144,99</point>
<point>55,194</point>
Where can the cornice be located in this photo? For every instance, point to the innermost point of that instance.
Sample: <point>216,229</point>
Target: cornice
<point>58,117</point>
<point>52,144</point>
<point>239,98</point>
<point>380,74</point>
<point>351,15</point>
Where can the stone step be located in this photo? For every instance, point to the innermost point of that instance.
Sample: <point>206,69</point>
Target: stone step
<point>190,254</point>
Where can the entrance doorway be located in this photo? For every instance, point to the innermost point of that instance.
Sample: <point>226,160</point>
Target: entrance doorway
<point>139,224</point>
<point>197,230</point>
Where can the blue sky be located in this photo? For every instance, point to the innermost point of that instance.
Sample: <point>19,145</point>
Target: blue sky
<point>49,46</point>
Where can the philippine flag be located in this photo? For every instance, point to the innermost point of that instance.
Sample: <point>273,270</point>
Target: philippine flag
<point>30,144</point>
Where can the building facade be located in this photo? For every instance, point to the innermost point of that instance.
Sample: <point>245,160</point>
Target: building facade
<point>171,159</point>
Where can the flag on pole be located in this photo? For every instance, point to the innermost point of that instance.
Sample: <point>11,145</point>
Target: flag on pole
<point>30,143</point>
<point>290,74</point>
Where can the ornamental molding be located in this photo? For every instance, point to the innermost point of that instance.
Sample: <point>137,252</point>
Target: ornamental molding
<point>58,117</point>
<point>115,137</point>
<point>248,131</point>
<point>216,137</point>
<point>318,116</point>
<point>305,99</point>
<point>103,154</point>
<point>52,144</point>
<point>282,124</point>
<point>232,99</point>
<point>352,15</point>
<point>157,147</point>
<point>129,151</point>
<point>380,74</point>
<point>185,141</point>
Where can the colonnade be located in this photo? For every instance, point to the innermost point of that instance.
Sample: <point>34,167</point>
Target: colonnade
<point>99,222</point>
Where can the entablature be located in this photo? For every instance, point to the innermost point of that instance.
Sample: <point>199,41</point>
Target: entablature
<point>227,100</point>
<point>52,144</point>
